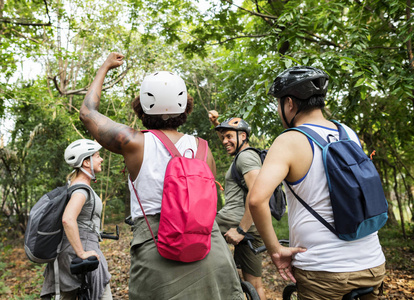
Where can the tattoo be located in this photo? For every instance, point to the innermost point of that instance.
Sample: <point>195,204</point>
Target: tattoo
<point>110,134</point>
<point>92,100</point>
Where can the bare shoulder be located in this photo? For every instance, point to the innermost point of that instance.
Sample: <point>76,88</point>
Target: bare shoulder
<point>121,139</point>
<point>291,141</point>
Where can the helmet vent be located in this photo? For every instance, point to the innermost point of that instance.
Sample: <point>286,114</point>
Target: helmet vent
<point>180,94</point>
<point>152,105</point>
<point>316,82</point>
<point>151,95</point>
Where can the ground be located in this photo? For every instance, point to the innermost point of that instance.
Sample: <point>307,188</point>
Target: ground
<point>21,279</point>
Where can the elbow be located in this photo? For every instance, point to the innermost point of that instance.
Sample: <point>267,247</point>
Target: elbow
<point>67,221</point>
<point>253,203</point>
<point>82,114</point>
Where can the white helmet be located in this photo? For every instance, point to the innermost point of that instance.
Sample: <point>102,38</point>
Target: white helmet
<point>77,151</point>
<point>163,93</point>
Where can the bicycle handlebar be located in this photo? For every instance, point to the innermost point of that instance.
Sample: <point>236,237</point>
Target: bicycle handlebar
<point>129,221</point>
<point>248,238</point>
<point>110,235</point>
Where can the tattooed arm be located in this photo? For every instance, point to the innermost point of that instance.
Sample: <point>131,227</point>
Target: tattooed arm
<point>113,136</point>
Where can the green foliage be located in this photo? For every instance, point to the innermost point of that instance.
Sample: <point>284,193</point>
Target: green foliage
<point>281,227</point>
<point>228,54</point>
<point>398,249</point>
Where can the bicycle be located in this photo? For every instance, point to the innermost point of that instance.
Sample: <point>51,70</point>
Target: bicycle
<point>81,267</point>
<point>290,293</point>
<point>290,290</point>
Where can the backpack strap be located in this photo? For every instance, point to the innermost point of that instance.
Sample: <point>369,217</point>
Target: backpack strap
<point>202,149</point>
<point>86,187</point>
<point>316,138</point>
<point>313,212</point>
<point>57,280</point>
<point>143,212</point>
<point>235,174</point>
<point>169,145</point>
<point>343,135</point>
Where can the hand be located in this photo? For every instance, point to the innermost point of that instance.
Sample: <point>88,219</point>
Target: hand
<point>114,60</point>
<point>86,254</point>
<point>213,116</point>
<point>233,237</point>
<point>282,260</point>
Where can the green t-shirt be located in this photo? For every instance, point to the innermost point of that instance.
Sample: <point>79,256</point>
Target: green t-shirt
<point>234,195</point>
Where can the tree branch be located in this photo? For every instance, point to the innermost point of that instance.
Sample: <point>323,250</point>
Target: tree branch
<point>83,91</point>
<point>410,30</point>
<point>26,37</point>
<point>241,37</point>
<point>253,12</point>
<point>23,22</point>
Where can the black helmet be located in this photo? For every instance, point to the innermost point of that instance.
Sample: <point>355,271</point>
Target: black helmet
<point>300,82</point>
<point>236,124</point>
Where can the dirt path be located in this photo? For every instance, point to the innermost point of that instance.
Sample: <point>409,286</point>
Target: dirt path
<point>20,278</point>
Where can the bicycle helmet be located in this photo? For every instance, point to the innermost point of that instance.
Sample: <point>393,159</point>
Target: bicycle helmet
<point>300,82</point>
<point>77,151</point>
<point>236,124</point>
<point>163,93</point>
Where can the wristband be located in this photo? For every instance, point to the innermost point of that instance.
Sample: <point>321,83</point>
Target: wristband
<point>240,230</point>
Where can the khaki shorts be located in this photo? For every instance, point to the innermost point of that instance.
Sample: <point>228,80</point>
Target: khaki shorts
<point>320,285</point>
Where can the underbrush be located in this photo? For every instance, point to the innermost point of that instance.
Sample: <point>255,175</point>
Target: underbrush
<point>399,251</point>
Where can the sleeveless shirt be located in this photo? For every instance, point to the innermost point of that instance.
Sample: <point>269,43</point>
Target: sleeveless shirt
<point>325,251</point>
<point>150,180</point>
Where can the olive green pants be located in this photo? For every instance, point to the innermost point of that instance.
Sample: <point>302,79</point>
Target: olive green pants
<point>155,277</point>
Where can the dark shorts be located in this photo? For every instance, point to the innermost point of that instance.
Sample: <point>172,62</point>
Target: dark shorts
<point>249,262</point>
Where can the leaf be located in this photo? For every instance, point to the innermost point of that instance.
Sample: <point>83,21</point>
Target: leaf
<point>359,82</point>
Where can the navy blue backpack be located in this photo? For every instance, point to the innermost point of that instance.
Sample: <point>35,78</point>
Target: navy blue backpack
<point>357,197</point>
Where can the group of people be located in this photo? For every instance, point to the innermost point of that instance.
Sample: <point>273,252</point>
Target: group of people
<point>323,266</point>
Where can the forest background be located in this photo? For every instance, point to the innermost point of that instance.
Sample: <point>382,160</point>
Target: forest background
<point>229,53</point>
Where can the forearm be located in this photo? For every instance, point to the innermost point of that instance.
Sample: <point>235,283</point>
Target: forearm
<point>263,222</point>
<point>93,96</point>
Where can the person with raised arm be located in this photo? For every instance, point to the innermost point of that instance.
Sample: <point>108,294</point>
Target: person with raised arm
<point>163,104</point>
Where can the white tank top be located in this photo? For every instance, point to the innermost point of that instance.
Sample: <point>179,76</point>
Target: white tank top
<point>150,180</point>
<point>325,251</point>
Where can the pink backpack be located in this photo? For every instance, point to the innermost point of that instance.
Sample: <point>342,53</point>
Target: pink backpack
<point>189,204</point>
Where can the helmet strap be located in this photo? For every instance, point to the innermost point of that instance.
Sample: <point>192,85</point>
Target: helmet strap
<point>291,121</point>
<point>289,124</point>
<point>282,103</point>
<point>92,176</point>
<point>238,146</point>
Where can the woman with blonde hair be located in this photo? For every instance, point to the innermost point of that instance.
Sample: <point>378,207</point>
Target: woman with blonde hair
<point>81,221</point>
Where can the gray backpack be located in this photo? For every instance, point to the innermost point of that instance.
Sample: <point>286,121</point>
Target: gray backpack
<point>44,230</point>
